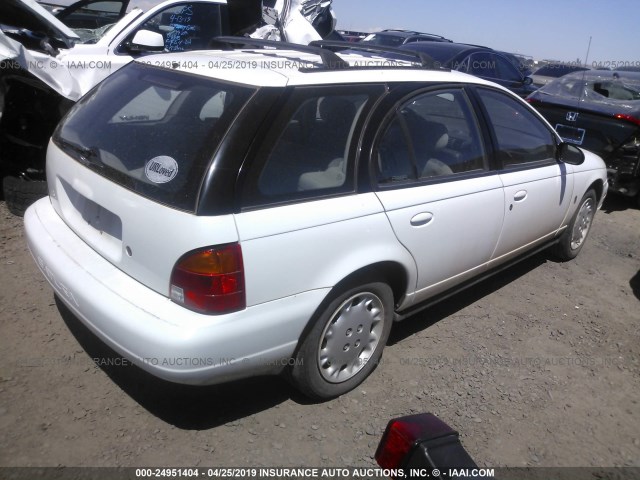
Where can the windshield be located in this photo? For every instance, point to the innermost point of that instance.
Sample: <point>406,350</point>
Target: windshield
<point>384,40</point>
<point>91,19</point>
<point>152,131</point>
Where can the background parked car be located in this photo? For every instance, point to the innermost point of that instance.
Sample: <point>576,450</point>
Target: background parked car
<point>395,38</point>
<point>600,111</point>
<point>523,63</point>
<point>550,72</point>
<point>480,61</point>
<point>352,36</point>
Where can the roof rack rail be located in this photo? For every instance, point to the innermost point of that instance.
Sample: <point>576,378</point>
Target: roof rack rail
<point>425,60</point>
<point>329,59</point>
<point>402,30</point>
<point>414,32</point>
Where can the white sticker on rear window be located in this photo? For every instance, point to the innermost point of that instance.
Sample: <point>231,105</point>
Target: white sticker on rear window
<point>161,169</point>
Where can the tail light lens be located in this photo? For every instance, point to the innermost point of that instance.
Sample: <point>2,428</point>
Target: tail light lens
<point>421,443</point>
<point>403,434</point>
<point>210,281</point>
<point>628,118</point>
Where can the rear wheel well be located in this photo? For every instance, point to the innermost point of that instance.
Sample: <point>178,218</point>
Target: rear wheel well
<point>391,273</point>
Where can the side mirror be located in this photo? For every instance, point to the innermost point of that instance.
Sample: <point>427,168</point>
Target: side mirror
<point>568,153</point>
<point>145,41</point>
<point>528,81</point>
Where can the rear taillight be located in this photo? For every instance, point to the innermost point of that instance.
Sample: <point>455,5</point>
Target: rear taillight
<point>421,446</point>
<point>628,118</point>
<point>402,435</point>
<point>210,280</point>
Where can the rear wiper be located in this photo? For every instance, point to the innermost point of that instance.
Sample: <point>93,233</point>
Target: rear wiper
<point>83,154</point>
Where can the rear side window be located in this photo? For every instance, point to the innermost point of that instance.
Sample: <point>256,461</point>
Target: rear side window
<point>152,131</point>
<point>522,137</point>
<point>307,151</point>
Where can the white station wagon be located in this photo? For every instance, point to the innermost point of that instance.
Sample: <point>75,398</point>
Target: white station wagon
<point>211,222</point>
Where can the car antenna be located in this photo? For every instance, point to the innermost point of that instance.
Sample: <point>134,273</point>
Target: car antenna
<point>584,72</point>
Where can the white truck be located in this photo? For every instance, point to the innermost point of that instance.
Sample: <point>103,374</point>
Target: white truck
<point>51,58</point>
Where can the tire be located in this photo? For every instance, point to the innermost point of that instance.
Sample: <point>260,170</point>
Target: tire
<point>575,236</point>
<point>345,342</point>
<point>19,194</point>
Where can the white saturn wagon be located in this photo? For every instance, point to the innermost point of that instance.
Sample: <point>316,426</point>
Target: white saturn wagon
<point>219,214</point>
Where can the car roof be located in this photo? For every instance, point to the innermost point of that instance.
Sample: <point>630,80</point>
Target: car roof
<point>280,68</point>
<point>410,33</point>
<point>443,52</point>
<point>558,69</point>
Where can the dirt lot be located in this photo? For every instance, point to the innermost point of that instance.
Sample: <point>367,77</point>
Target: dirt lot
<point>539,366</point>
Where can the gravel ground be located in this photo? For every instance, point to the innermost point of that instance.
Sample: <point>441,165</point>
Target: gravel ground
<point>538,366</point>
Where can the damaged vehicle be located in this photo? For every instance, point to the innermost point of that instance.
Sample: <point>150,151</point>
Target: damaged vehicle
<point>599,111</point>
<point>281,222</point>
<point>48,62</point>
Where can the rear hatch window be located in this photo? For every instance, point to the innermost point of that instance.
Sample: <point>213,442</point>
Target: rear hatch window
<point>152,131</point>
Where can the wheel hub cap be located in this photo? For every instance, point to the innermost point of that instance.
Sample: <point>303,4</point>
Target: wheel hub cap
<point>350,337</point>
<point>583,224</point>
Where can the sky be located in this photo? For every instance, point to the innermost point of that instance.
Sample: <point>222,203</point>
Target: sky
<point>544,29</point>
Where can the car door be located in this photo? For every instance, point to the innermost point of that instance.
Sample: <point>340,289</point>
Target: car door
<point>443,202</point>
<point>537,187</point>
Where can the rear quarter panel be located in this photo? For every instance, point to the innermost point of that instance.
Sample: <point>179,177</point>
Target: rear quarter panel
<point>296,248</point>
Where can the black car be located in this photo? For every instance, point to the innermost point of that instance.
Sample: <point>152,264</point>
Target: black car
<point>551,71</point>
<point>522,62</point>
<point>480,61</point>
<point>396,38</point>
<point>600,111</point>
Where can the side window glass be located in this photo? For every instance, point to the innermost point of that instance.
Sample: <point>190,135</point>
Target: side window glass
<point>522,137</point>
<point>395,160</point>
<point>483,65</point>
<point>311,152</point>
<point>435,134</point>
<point>187,26</point>
<point>506,70</point>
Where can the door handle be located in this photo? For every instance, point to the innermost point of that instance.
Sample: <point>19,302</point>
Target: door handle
<point>520,196</point>
<point>421,219</point>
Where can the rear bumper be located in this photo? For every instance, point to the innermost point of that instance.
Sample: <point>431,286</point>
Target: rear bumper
<point>154,333</point>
